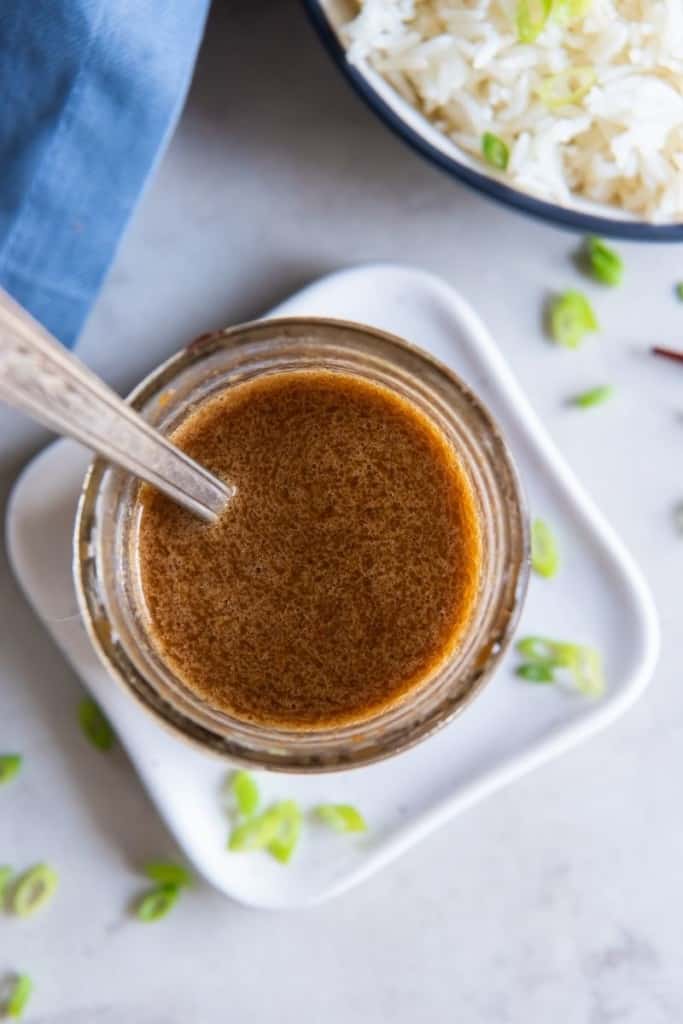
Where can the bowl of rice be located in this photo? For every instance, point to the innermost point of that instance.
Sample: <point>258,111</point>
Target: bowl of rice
<point>569,110</point>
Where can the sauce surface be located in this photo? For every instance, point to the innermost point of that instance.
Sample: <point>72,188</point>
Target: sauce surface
<point>344,572</point>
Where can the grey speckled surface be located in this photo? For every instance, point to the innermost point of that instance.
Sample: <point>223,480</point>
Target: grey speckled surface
<point>558,899</point>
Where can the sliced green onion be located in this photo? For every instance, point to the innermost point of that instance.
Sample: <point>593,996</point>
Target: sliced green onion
<point>565,11</point>
<point>156,903</point>
<point>583,663</point>
<point>541,649</point>
<point>341,817</point>
<point>579,8</point>
<point>10,764</point>
<point>536,648</point>
<point>283,845</point>
<point>679,290</point>
<point>33,890</point>
<point>568,87</point>
<point>168,874</point>
<point>532,16</point>
<point>19,996</point>
<point>603,263</point>
<point>595,396</point>
<point>256,833</point>
<point>246,792</point>
<point>571,318</point>
<point>495,150</point>
<point>545,555</point>
<point>588,672</point>
<point>95,725</point>
<point>6,873</point>
<point>536,672</point>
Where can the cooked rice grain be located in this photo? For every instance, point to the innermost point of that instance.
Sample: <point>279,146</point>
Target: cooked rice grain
<point>460,63</point>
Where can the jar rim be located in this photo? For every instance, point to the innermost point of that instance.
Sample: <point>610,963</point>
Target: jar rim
<point>247,348</point>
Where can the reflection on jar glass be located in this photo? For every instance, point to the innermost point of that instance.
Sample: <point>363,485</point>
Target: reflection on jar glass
<point>365,581</point>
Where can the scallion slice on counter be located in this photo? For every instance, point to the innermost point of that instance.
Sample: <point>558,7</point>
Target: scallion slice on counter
<point>10,765</point>
<point>495,150</point>
<point>679,290</point>
<point>95,725</point>
<point>603,263</point>
<point>289,831</point>
<point>156,903</point>
<point>583,663</point>
<point>568,87</point>
<point>246,792</point>
<point>33,890</point>
<point>532,16</point>
<point>545,554</point>
<point>594,396</point>
<point>168,874</point>
<point>571,318</point>
<point>18,997</point>
<point>341,817</point>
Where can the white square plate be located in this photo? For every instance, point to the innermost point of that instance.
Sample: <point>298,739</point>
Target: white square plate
<point>598,598</point>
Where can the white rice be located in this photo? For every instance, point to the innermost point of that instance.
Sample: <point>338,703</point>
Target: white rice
<point>460,63</point>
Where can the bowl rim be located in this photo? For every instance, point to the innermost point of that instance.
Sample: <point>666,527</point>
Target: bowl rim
<point>522,202</point>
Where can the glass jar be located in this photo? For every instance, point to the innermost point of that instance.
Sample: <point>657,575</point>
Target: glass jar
<point>107,575</point>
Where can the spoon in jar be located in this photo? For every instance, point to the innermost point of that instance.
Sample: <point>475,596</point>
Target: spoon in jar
<point>38,376</point>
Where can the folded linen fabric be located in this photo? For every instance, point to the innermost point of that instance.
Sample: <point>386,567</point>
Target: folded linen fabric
<point>90,91</point>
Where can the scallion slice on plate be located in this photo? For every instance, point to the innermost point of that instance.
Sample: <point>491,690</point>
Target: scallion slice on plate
<point>545,554</point>
<point>341,817</point>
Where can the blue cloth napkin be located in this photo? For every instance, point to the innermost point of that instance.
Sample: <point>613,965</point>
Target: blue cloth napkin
<point>90,91</point>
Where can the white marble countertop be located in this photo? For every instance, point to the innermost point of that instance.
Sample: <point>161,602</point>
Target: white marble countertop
<point>557,899</point>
